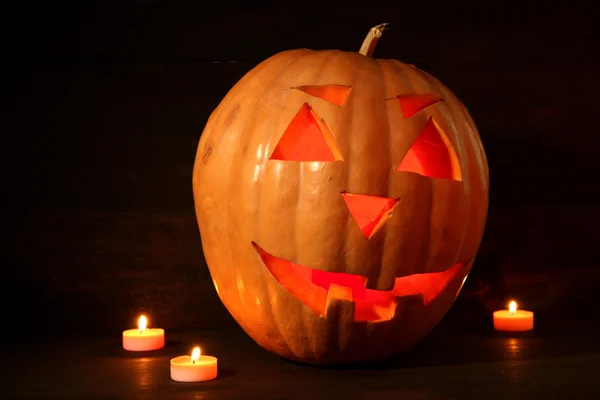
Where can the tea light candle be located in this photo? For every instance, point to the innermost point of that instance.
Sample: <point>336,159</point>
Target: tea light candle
<point>513,320</point>
<point>196,368</point>
<point>143,339</point>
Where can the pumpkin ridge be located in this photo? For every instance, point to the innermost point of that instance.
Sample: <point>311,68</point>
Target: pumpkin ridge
<point>464,171</point>
<point>270,314</point>
<point>384,232</point>
<point>348,157</point>
<point>412,77</point>
<point>277,309</point>
<point>482,186</point>
<point>461,153</point>
<point>306,314</point>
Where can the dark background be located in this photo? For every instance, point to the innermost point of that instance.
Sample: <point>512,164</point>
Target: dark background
<point>103,104</point>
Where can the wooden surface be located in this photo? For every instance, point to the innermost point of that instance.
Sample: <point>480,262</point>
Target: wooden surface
<point>103,105</point>
<point>560,363</point>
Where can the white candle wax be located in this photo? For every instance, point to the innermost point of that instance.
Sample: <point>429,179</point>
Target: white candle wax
<point>196,368</point>
<point>143,339</point>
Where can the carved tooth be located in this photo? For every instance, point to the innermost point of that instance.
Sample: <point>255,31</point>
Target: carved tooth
<point>339,310</point>
<point>339,292</point>
<point>386,313</point>
<point>339,304</point>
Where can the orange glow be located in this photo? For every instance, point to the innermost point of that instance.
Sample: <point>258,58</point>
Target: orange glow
<point>431,155</point>
<point>142,323</point>
<point>335,94</point>
<point>307,138</point>
<point>367,211</point>
<point>195,354</point>
<point>314,287</point>
<point>413,103</point>
<point>512,307</point>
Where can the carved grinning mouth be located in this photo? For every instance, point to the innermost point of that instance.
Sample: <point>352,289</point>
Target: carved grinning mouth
<point>315,288</point>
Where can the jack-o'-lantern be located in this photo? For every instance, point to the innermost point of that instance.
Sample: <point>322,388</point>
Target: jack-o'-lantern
<point>341,200</point>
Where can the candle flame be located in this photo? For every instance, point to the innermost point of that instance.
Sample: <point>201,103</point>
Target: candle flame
<point>195,354</point>
<point>142,322</point>
<point>512,307</point>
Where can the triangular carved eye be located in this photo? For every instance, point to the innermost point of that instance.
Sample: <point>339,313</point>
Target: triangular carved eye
<point>307,138</point>
<point>335,94</point>
<point>432,155</point>
<point>413,103</point>
<point>368,211</point>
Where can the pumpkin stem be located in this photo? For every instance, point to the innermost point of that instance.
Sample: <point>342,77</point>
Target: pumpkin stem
<point>368,46</point>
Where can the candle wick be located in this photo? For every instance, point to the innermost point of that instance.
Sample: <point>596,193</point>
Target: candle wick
<point>193,361</point>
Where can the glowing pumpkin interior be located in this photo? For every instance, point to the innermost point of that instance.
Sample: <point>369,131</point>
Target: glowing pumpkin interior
<point>307,138</point>
<point>315,287</point>
<point>368,211</point>
<point>431,155</point>
<point>413,103</point>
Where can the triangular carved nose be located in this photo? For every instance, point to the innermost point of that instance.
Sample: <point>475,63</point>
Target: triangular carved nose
<point>368,211</point>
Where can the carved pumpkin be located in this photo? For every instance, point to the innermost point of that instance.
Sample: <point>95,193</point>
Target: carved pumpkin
<point>341,201</point>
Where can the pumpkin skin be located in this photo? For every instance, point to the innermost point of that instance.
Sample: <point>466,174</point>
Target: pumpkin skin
<point>252,208</point>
